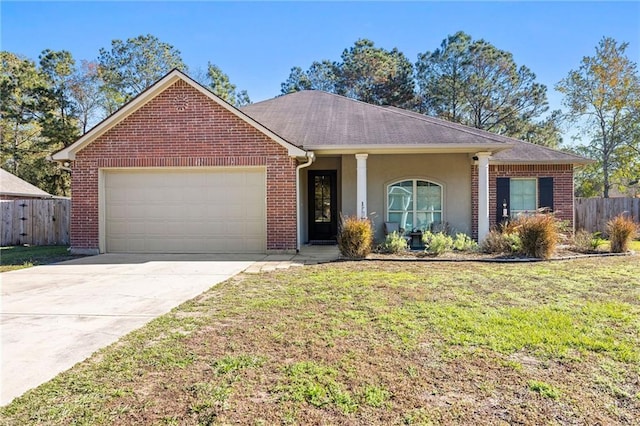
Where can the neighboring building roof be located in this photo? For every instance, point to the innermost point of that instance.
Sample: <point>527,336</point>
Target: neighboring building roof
<point>14,186</point>
<point>323,121</point>
<point>327,122</point>
<point>143,98</point>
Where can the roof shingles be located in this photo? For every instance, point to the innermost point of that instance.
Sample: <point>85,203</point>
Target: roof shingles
<point>12,185</point>
<point>314,119</point>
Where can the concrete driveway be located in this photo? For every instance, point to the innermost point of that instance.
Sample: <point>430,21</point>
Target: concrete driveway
<point>54,316</point>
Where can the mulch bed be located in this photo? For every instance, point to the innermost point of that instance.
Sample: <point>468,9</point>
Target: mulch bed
<point>562,253</point>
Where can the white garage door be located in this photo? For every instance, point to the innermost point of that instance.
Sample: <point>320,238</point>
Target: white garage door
<point>185,210</point>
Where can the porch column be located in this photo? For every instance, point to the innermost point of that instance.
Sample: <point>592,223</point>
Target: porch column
<point>361,188</point>
<point>483,194</point>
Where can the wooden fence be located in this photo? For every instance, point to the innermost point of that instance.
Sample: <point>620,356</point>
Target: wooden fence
<point>35,222</point>
<point>592,214</point>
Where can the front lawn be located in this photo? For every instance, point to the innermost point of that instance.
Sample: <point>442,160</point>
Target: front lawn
<point>18,257</point>
<point>374,343</point>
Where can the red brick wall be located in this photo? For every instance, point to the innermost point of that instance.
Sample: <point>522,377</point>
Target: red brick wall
<point>183,128</point>
<point>562,175</point>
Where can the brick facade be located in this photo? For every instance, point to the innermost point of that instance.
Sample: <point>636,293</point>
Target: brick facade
<point>181,127</point>
<point>562,175</point>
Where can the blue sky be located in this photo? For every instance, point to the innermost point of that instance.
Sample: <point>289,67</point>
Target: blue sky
<point>257,43</point>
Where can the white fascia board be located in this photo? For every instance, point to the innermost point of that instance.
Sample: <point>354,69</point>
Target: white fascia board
<point>409,149</point>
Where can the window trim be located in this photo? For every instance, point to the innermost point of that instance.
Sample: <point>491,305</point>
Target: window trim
<point>515,213</point>
<point>414,179</point>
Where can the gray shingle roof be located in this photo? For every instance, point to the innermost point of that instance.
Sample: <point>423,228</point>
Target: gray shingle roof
<point>319,120</point>
<point>12,185</point>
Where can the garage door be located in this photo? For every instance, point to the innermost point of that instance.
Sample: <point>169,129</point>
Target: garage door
<point>185,211</point>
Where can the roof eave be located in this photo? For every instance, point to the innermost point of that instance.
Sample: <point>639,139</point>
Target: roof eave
<point>409,149</point>
<point>25,194</point>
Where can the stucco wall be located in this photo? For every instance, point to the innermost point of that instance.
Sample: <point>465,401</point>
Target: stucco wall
<point>452,171</point>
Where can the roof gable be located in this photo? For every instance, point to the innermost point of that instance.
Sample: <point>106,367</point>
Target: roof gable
<point>149,94</point>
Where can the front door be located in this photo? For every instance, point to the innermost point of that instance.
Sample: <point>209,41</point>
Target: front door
<point>323,209</point>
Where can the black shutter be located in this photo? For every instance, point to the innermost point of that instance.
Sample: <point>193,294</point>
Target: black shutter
<point>503,189</point>
<point>545,193</point>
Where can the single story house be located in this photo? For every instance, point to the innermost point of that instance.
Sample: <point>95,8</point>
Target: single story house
<point>14,188</point>
<point>178,170</point>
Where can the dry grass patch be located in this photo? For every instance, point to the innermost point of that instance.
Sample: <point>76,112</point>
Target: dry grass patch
<point>374,343</point>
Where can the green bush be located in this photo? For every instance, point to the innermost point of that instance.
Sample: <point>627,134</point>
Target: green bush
<point>395,243</point>
<point>437,243</point>
<point>463,242</point>
<point>621,230</point>
<point>586,242</point>
<point>498,241</point>
<point>355,237</point>
<point>539,235</point>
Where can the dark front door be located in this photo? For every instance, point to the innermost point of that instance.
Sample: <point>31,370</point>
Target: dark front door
<point>323,209</point>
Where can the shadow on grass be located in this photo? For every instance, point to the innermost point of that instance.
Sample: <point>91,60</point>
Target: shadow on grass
<point>18,257</point>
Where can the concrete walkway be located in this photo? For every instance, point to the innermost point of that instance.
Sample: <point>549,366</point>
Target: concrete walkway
<point>54,316</point>
<point>308,255</point>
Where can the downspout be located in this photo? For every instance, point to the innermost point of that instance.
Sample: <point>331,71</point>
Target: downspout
<point>310,159</point>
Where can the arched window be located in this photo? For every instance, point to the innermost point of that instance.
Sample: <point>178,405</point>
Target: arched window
<point>414,203</point>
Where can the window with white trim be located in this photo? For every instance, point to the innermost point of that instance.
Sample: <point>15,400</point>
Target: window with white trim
<point>414,203</point>
<point>523,195</point>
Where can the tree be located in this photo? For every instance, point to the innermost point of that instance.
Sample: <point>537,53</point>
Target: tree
<point>296,82</point>
<point>37,118</point>
<point>132,66</point>
<point>321,75</point>
<point>85,88</point>
<point>441,75</point>
<point>546,132</point>
<point>376,76</point>
<point>367,73</point>
<point>20,84</point>
<point>220,85</point>
<point>603,97</point>
<point>479,85</point>
<point>58,110</point>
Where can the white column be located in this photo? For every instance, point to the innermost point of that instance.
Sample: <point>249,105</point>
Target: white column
<point>483,194</point>
<point>361,188</point>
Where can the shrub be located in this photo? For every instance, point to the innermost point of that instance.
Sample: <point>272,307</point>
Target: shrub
<point>621,231</point>
<point>395,243</point>
<point>586,242</point>
<point>437,243</point>
<point>355,237</point>
<point>498,241</point>
<point>463,242</point>
<point>539,235</point>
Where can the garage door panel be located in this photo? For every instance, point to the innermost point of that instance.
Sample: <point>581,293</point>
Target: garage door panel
<point>185,211</point>
<point>254,228</point>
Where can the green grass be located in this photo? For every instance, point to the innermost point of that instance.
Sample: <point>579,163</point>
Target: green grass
<point>544,389</point>
<point>19,257</point>
<point>373,343</point>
